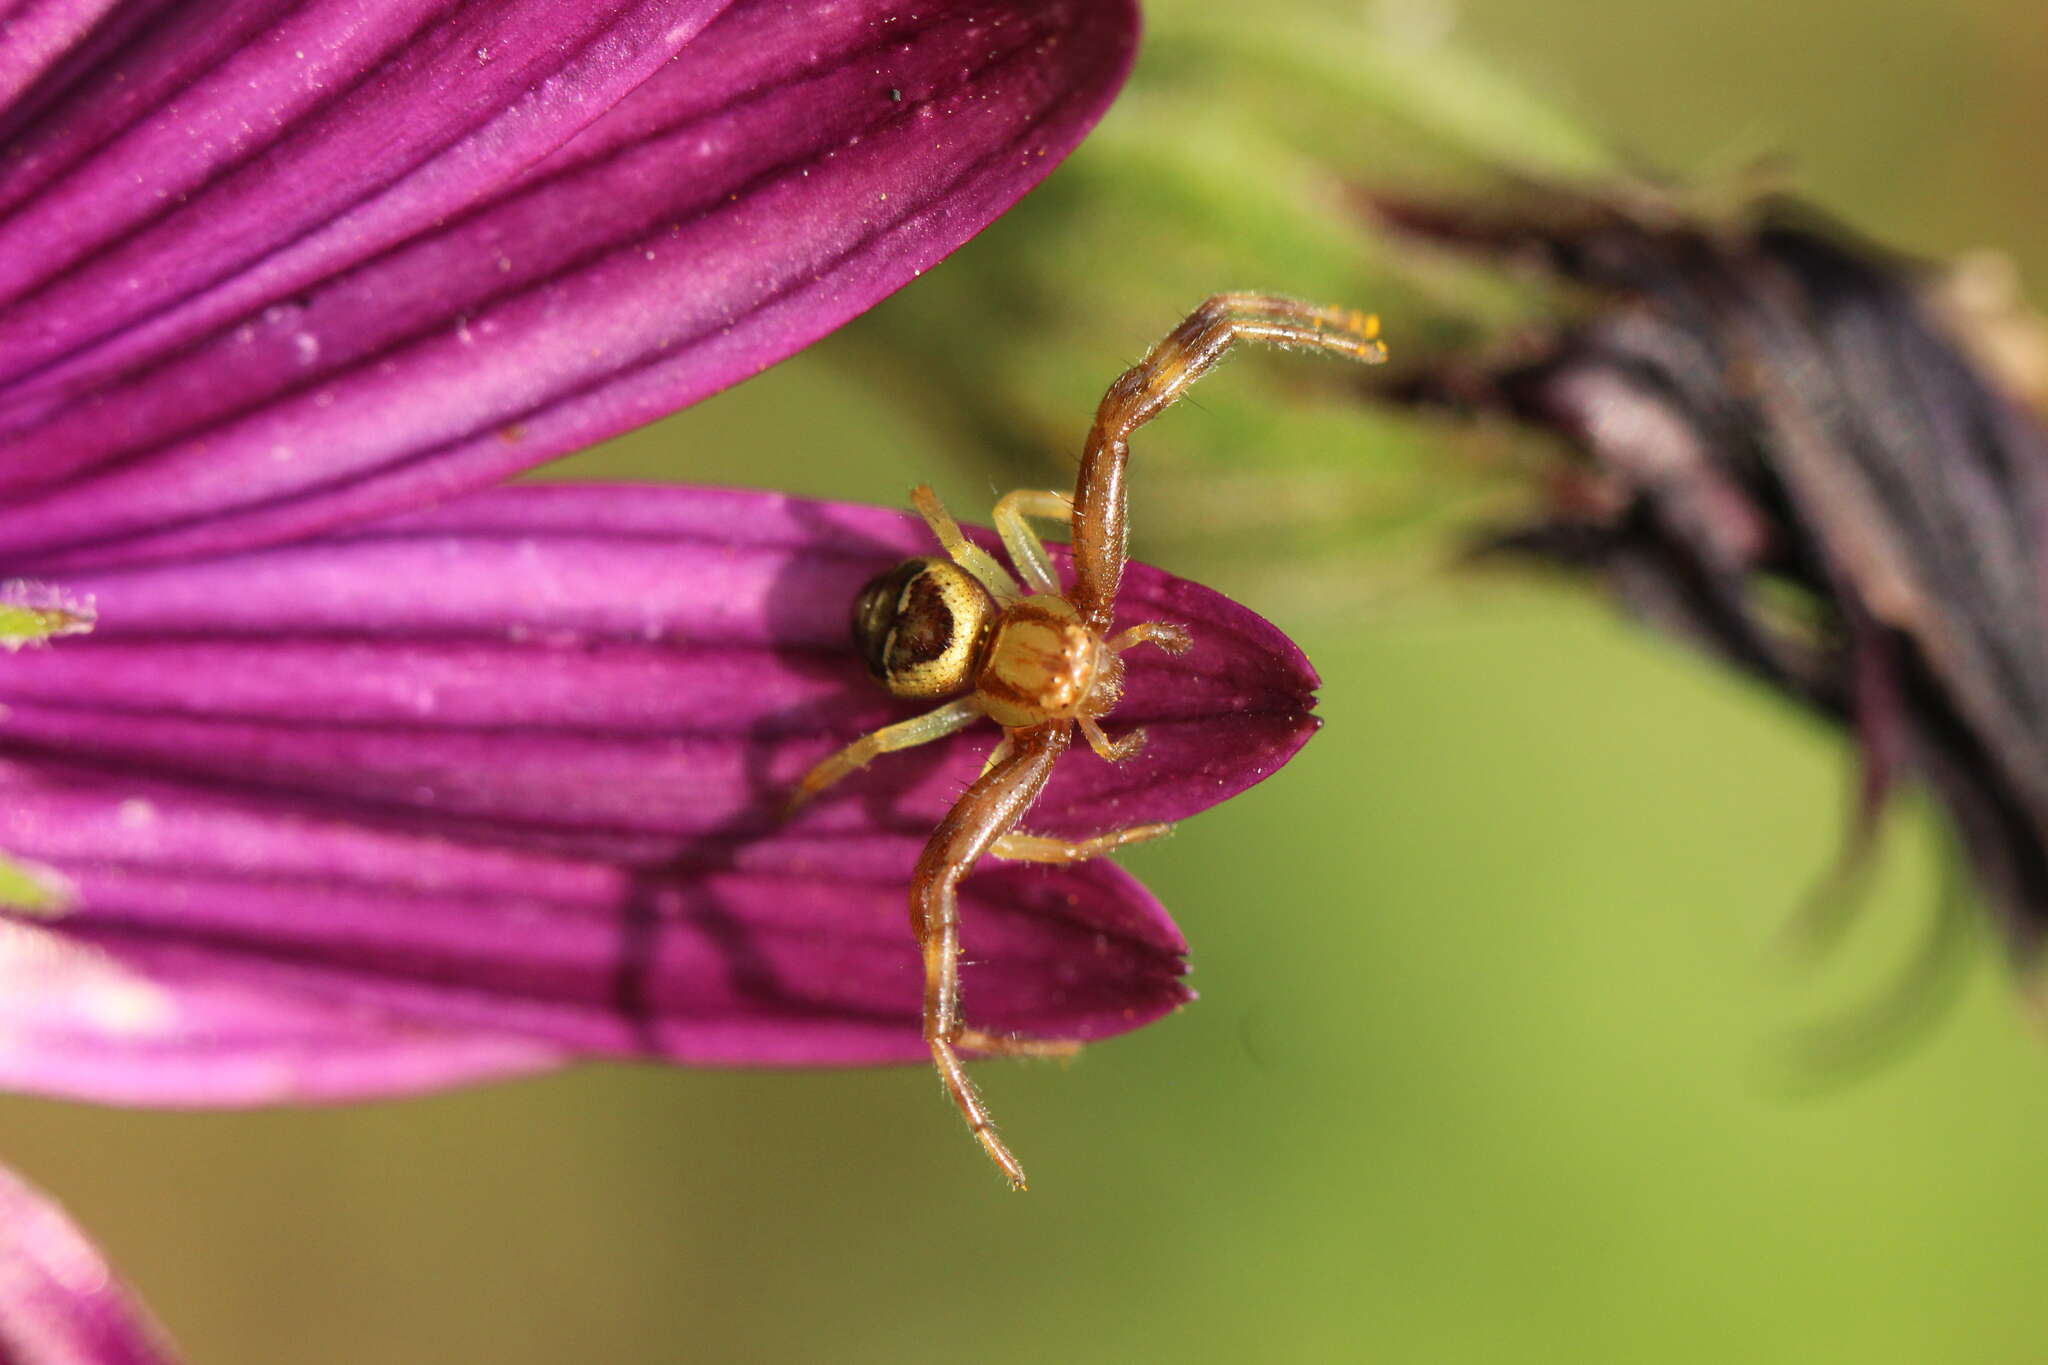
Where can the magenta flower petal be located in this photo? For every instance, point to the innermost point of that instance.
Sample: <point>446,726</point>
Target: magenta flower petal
<point>307,264</point>
<point>224,951</point>
<point>671,660</point>
<point>59,1301</point>
<point>484,788</point>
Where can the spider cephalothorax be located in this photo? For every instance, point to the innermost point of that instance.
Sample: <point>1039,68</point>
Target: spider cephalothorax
<point>1040,663</point>
<point>928,628</point>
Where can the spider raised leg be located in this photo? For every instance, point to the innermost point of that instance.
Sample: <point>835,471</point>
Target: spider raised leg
<point>1040,663</point>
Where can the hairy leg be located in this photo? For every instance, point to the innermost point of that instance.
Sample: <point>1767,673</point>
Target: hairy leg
<point>904,734</point>
<point>1174,639</point>
<point>1039,848</point>
<point>987,811</point>
<point>965,552</point>
<point>1153,384</point>
<point>1111,750</point>
<point>1027,551</point>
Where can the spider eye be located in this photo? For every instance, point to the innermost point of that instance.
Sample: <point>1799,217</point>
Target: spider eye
<point>920,627</point>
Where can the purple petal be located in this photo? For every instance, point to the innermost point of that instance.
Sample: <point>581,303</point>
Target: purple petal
<point>613,669</point>
<point>482,789</point>
<point>314,263</point>
<point>228,952</point>
<point>59,1301</point>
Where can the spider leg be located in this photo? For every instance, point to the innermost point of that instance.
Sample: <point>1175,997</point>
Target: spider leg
<point>1149,387</point>
<point>996,755</point>
<point>1027,551</point>
<point>1039,848</point>
<point>965,552</point>
<point>989,809</point>
<point>983,1044</point>
<point>1174,639</point>
<point>1111,750</point>
<point>904,734</point>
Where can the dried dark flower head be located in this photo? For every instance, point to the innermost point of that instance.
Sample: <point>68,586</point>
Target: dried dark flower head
<point>1791,461</point>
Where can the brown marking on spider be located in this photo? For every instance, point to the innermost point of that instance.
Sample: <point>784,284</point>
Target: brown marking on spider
<point>1040,663</point>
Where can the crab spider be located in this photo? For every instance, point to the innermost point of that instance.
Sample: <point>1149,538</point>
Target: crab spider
<point>1036,659</point>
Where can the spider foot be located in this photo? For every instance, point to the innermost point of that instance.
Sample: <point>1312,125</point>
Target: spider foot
<point>968,1101</point>
<point>1112,750</point>
<point>1174,639</point>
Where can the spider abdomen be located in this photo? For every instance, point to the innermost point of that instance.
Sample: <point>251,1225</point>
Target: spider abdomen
<point>921,627</point>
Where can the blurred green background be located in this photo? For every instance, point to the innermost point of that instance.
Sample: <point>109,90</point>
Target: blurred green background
<point>1489,1062</point>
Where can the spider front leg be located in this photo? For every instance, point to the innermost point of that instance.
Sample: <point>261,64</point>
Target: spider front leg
<point>990,808</point>
<point>1153,384</point>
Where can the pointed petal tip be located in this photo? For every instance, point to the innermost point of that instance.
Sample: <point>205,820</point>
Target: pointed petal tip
<point>484,789</point>
<point>60,1302</point>
<point>673,658</point>
<point>226,953</point>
